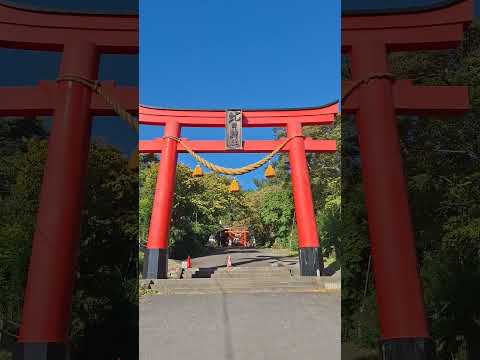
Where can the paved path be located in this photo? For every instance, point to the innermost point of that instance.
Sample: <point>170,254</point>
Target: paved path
<point>241,327</point>
<point>245,257</point>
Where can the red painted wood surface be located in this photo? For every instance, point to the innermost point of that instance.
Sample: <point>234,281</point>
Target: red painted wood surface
<point>293,119</point>
<point>164,190</point>
<point>40,100</point>
<point>249,146</point>
<point>427,30</point>
<point>418,100</point>
<point>81,38</point>
<point>367,40</point>
<point>302,192</point>
<point>251,118</point>
<point>48,295</point>
<point>47,30</point>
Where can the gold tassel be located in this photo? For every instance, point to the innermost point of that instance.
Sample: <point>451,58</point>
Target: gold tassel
<point>270,172</point>
<point>197,172</point>
<point>234,187</point>
<point>133,161</point>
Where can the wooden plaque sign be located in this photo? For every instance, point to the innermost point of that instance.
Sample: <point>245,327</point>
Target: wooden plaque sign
<point>233,130</point>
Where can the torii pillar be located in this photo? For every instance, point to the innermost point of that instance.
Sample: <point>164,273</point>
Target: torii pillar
<point>156,255</point>
<point>81,38</point>
<point>310,256</point>
<point>368,39</point>
<point>156,259</point>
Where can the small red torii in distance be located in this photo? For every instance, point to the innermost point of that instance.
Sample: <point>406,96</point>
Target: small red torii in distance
<point>156,259</point>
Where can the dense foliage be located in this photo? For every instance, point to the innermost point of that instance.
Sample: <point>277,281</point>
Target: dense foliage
<point>442,158</point>
<point>105,307</point>
<point>203,206</point>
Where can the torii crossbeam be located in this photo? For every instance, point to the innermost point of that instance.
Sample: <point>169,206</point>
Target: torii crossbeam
<point>81,38</point>
<point>293,120</point>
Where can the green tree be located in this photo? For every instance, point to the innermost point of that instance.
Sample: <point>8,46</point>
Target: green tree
<point>201,207</point>
<point>441,158</point>
<point>105,306</point>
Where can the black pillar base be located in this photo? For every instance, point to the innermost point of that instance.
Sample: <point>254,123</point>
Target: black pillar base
<point>407,348</point>
<point>310,261</point>
<point>155,264</point>
<point>41,351</point>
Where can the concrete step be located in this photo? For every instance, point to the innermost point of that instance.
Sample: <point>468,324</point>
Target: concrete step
<point>247,281</point>
<point>254,269</point>
<point>260,269</point>
<point>253,272</point>
<point>237,284</point>
<point>242,290</point>
<point>198,273</point>
<point>174,274</point>
<point>206,281</point>
<point>196,283</point>
<point>219,290</point>
<point>235,272</point>
<point>253,279</point>
<point>237,288</point>
<point>251,276</point>
<point>241,285</point>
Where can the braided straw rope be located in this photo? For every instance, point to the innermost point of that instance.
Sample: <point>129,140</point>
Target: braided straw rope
<point>233,171</point>
<point>358,83</point>
<point>261,162</point>
<point>95,86</point>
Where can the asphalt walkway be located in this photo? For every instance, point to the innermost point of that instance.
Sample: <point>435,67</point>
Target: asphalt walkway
<point>245,257</point>
<point>289,326</point>
<point>241,326</point>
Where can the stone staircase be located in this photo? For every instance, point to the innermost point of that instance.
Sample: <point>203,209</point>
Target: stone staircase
<point>242,280</point>
<point>237,272</point>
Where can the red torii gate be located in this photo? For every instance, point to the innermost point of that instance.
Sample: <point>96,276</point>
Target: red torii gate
<point>81,38</point>
<point>156,257</point>
<point>368,39</point>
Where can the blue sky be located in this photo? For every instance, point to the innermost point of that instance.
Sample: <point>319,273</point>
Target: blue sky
<point>394,4</point>
<point>217,54</point>
<point>28,67</point>
<point>123,6</point>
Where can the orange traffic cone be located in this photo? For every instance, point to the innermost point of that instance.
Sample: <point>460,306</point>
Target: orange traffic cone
<point>189,262</point>
<point>229,261</point>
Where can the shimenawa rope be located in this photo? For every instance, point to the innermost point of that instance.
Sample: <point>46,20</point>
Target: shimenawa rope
<point>233,171</point>
<point>364,81</point>
<point>95,86</point>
